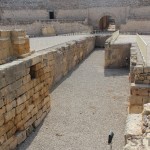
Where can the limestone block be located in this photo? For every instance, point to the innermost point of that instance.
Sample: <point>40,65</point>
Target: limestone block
<point>46,100</point>
<point>17,118</point>
<point>21,136</point>
<point>135,144</point>
<point>135,109</point>
<point>39,114</point>
<point>30,122</point>
<point>3,139</point>
<point>37,122</point>
<point>26,79</point>
<point>138,69</point>
<point>2,130</point>
<point>133,126</point>
<point>2,120</point>
<point>20,108</point>
<point>21,125</point>
<point>18,33</point>
<point>140,89</point>
<point>30,93</point>
<point>48,31</point>
<point>19,49</point>
<point>5,50</point>
<point>36,59</point>
<point>39,73</point>
<point>5,34</point>
<point>39,106</point>
<point>146,69</point>
<point>24,113</point>
<point>136,100</point>
<point>21,99</point>
<point>28,86</point>
<point>13,144</point>
<point>34,111</point>
<point>30,108</point>
<point>21,91</point>
<point>1,103</point>
<point>20,43</point>
<point>10,106</point>
<point>5,146</point>
<point>17,84</point>
<point>146,110</point>
<point>38,87</point>
<point>37,67</point>
<point>146,99</point>
<point>9,115</point>
<point>9,126</point>
<point>11,132</point>
<point>2,110</point>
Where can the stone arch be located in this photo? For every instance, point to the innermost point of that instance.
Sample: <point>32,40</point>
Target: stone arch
<point>108,14</point>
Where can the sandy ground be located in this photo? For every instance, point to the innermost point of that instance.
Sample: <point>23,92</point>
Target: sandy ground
<point>86,105</point>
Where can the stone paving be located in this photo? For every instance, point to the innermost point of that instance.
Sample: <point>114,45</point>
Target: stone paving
<point>86,105</point>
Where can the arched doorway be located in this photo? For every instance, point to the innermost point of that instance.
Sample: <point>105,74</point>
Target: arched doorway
<point>107,23</point>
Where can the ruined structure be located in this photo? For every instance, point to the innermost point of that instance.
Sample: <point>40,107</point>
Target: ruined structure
<point>25,84</point>
<point>129,16</point>
<point>137,131</point>
<point>26,77</point>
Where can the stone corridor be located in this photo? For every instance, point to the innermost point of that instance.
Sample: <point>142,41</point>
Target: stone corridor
<point>86,105</point>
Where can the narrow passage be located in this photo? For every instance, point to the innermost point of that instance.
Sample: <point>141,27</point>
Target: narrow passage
<point>89,103</point>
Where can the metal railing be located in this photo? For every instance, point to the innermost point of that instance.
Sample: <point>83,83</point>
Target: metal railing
<point>143,46</point>
<point>113,38</point>
<point>89,32</point>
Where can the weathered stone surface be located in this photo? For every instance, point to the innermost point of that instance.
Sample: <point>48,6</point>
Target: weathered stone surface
<point>146,110</point>
<point>13,44</point>
<point>133,126</point>
<point>24,94</point>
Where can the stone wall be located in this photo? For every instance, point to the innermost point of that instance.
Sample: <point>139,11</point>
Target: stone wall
<point>25,84</point>
<point>100,40</point>
<point>58,4</point>
<point>14,44</point>
<point>124,12</point>
<point>137,131</point>
<point>23,14</point>
<point>117,55</point>
<point>140,80</point>
<point>35,28</point>
<point>69,55</point>
<point>136,26</point>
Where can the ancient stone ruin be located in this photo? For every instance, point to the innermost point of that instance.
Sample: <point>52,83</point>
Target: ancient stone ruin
<point>42,44</point>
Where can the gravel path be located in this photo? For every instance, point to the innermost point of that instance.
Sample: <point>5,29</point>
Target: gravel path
<point>88,104</point>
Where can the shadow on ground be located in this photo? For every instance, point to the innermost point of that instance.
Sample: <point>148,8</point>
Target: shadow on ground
<point>116,72</point>
<point>30,138</point>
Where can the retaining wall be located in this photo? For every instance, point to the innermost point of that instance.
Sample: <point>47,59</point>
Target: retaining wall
<point>138,121</point>
<point>117,54</point>
<point>35,28</point>
<point>25,84</point>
